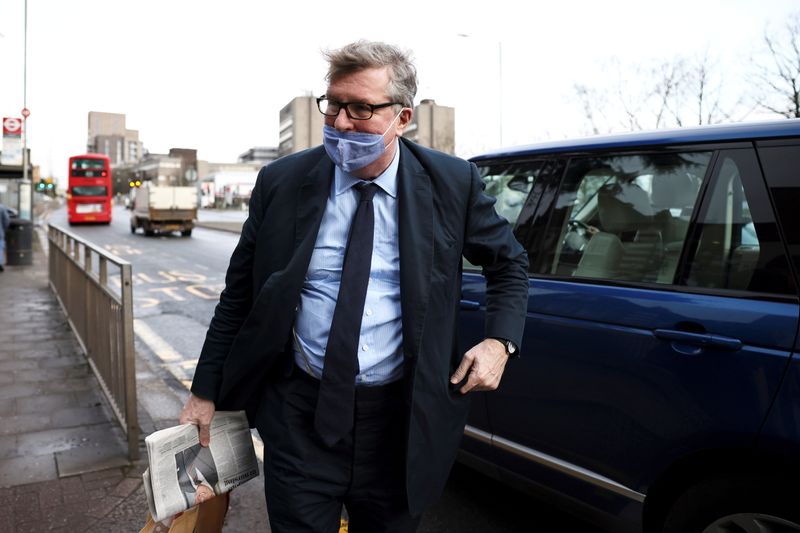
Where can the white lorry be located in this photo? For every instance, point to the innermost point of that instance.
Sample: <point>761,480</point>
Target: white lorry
<point>164,209</point>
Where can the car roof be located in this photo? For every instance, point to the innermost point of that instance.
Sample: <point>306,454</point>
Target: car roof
<point>698,134</point>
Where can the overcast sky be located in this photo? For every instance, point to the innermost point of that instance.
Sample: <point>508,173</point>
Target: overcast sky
<point>214,75</point>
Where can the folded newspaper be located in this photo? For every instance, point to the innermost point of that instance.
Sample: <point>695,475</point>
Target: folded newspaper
<point>182,473</point>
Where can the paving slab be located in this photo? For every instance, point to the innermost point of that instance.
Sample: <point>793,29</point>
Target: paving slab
<point>63,439</point>
<point>8,447</point>
<point>13,425</point>
<point>83,460</point>
<point>19,390</point>
<point>21,470</point>
<point>45,404</point>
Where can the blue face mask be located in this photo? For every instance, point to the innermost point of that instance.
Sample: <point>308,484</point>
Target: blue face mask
<point>352,150</point>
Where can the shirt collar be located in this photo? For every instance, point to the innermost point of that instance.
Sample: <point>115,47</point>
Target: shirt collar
<point>387,180</point>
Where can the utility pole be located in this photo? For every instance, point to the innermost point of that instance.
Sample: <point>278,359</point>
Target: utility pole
<point>25,113</point>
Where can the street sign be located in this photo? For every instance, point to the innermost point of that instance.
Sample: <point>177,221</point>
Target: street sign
<point>26,112</point>
<point>12,126</point>
<point>12,142</point>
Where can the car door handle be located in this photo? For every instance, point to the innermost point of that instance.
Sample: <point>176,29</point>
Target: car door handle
<point>706,340</point>
<point>470,305</point>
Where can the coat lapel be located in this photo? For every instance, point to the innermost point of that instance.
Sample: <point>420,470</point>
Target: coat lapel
<point>415,206</point>
<point>312,196</point>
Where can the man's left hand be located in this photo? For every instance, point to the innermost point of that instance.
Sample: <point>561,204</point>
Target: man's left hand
<point>483,365</point>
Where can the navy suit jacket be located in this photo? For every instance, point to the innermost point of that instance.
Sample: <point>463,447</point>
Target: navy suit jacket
<point>443,214</point>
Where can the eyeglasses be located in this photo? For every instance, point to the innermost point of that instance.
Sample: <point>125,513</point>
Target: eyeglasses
<point>354,110</point>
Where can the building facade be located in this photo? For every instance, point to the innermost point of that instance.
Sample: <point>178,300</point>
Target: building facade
<point>227,184</point>
<point>161,169</point>
<point>300,125</point>
<point>259,154</point>
<point>188,157</point>
<point>108,135</point>
<point>433,126</point>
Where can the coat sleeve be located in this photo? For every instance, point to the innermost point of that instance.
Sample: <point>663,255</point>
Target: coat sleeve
<point>490,243</point>
<point>234,304</point>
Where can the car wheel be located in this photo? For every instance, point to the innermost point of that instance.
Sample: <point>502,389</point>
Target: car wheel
<point>725,506</point>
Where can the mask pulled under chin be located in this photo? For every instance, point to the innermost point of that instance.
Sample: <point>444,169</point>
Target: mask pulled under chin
<point>352,150</point>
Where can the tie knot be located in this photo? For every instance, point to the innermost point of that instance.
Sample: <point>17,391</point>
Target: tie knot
<point>367,189</point>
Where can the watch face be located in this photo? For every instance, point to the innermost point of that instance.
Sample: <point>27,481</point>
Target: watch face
<point>510,347</point>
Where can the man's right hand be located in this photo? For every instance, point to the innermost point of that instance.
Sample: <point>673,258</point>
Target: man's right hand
<point>199,412</point>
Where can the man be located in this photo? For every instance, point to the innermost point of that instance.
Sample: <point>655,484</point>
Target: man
<point>5,221</point>
<point>350,368</point>
<point>197,474</point>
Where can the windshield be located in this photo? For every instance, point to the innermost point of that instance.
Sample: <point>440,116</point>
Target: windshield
<point>88,168</point>
<point>90,190</point>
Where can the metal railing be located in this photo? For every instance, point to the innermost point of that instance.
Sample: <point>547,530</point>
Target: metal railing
<point>101,314</point>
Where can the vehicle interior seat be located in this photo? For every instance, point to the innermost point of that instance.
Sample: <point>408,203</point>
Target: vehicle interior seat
<point>601,257</point>
<point>628,246</point>
<point>623,209</point>
<point>673,197</point>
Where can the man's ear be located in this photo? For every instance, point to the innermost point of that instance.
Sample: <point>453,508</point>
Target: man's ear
<point>404,120</point>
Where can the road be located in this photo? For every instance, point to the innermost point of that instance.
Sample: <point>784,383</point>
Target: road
<point>176,284</point>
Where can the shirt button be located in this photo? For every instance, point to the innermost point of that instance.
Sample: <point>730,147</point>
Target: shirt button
<point>369,312</point>
<point>365,347</point>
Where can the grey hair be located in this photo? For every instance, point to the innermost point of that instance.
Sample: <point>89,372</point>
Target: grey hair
<point>362,55</point>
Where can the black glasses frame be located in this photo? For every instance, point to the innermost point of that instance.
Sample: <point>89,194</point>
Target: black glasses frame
<point>346,106</point>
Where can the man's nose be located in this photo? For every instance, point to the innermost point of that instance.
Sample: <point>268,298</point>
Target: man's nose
<point>342,121</point>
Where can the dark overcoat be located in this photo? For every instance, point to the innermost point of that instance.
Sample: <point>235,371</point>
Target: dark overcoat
<point>443,214</point>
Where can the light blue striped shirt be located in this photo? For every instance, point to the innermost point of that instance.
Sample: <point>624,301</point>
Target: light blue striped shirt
<point>380,352</point>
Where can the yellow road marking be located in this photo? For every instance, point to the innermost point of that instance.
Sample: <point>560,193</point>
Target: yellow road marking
<point>155,342</point>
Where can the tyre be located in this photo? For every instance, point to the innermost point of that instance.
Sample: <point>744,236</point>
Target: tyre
<point>733,505</point>
<point>186,233</point>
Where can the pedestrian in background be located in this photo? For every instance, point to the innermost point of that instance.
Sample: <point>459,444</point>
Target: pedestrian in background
<point>5,221</point>
<point>336,329</point>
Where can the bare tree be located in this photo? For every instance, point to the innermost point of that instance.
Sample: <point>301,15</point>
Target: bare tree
<point>664,94</point>
<point>779,76</point>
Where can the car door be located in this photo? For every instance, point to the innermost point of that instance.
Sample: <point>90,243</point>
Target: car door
<point>518,187</point>
<point>780,160</point>
<point>661,317</point>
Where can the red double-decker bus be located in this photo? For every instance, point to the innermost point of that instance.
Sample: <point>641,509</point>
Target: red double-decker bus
<point>89,190</point>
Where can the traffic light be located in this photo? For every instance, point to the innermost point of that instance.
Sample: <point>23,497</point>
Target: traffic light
<point>41,186</point>
<point>135,183</point>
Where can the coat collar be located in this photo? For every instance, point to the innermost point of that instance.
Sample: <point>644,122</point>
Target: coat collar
<point>312,196</point>
<point>415,227</point>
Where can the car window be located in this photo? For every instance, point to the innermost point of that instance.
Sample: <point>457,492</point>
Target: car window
<point>510,184</point>
<point>89,190</point>
<point>781,165</point>
<point>625,217</point>
<point>738,244</point>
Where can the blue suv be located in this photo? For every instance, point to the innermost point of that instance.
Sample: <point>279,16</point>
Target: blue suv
<point>658,387</point>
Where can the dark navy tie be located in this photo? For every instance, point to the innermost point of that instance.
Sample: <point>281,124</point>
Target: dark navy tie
<point>335,406</point>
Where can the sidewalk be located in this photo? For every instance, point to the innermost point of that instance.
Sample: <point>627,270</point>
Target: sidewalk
<point>63,456</point>
<point>230,220</point>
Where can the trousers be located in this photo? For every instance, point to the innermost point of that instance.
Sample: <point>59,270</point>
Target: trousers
<point>308,483</point>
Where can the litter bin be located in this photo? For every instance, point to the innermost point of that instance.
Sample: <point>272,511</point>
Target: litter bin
<point>19,242</point>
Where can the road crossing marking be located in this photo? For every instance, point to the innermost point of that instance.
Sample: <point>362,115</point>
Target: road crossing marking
<point>155,342</point>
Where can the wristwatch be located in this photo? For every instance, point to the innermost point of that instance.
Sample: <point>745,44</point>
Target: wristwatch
<point>511,348</point>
